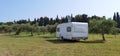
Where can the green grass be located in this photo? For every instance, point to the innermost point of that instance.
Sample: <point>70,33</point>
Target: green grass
<point>48,45</point>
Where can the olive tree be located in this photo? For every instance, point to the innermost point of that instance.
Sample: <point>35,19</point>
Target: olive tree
<point>51,28</point>
<point>5,28</point>
<point>103,26</point>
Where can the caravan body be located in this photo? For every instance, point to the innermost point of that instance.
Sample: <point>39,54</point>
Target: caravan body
<point>72,30</point>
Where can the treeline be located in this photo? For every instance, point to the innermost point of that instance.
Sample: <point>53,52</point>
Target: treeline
<point>40,25</point>
<point>43,21</point>
<point>28,28</point>
<point>44,25</point>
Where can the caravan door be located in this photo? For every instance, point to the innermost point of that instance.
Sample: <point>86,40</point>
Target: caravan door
<point>68,34</point>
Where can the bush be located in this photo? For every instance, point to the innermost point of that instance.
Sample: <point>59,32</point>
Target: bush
<point>51,28</point>
<point>5,29</point>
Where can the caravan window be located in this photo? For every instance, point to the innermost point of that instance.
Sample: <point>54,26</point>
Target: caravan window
<point>58,29</point>
<point>68,29</point>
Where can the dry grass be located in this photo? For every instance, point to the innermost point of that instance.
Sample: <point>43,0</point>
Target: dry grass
<point>39,46</point>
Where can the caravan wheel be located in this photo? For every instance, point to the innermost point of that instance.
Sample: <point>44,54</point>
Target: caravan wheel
<point>62,38</point>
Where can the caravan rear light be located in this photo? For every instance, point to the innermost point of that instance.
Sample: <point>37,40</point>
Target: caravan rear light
<point>74,38</point>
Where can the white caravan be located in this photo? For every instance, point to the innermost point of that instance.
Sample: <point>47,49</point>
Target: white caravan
<point>72,31</point>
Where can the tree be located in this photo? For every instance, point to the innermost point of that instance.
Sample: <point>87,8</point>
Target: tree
<point>41,23</point>
<point>115,31</point>
<point>57,19</point>
<point>43,29</point>
<point>62,20</point>
<point>102,26</point>
<point>84,18</point>
<point>93,27</point>
<point>9,23</point>
<point>51,22</point>
<point>46,21</point>
<point>51,28</point>
<point>66,19</point>
<point>95,17</point>
<point>5,29</point>
<point>78,18</point>
<point>116,17</point>
<point>105,26</point>
<point>1,23</point>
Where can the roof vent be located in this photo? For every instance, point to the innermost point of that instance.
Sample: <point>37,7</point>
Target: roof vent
<point>69,18</point>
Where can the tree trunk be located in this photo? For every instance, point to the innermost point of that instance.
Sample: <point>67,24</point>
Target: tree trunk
<point>103,36</point>
<point>18,32</point>
<point>31,33</point>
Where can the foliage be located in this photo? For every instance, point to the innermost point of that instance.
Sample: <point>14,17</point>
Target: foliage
<point>48,25</point>
<point>102,26</point>
<point>51,28</point>
<point>116,18</point>
<point>5,28</point>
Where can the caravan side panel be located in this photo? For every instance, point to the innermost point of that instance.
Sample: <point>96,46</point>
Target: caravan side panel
<point>80,30</point>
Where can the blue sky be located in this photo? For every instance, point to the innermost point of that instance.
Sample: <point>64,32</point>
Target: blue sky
<point>11,10</point>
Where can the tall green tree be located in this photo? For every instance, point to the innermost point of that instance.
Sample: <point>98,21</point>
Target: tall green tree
<point>116,17</point>
<point>57,19</point>
<point>51,22</point>
<point>78,18</point>
<point>46,21</point>
<point>84,18</point>
<point>41,23</point>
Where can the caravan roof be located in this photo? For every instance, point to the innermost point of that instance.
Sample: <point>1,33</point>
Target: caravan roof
<point>73,23</point>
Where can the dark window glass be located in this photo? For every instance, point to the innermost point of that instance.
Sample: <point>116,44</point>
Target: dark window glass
<point>58,29</point>
<point>68,29</point>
